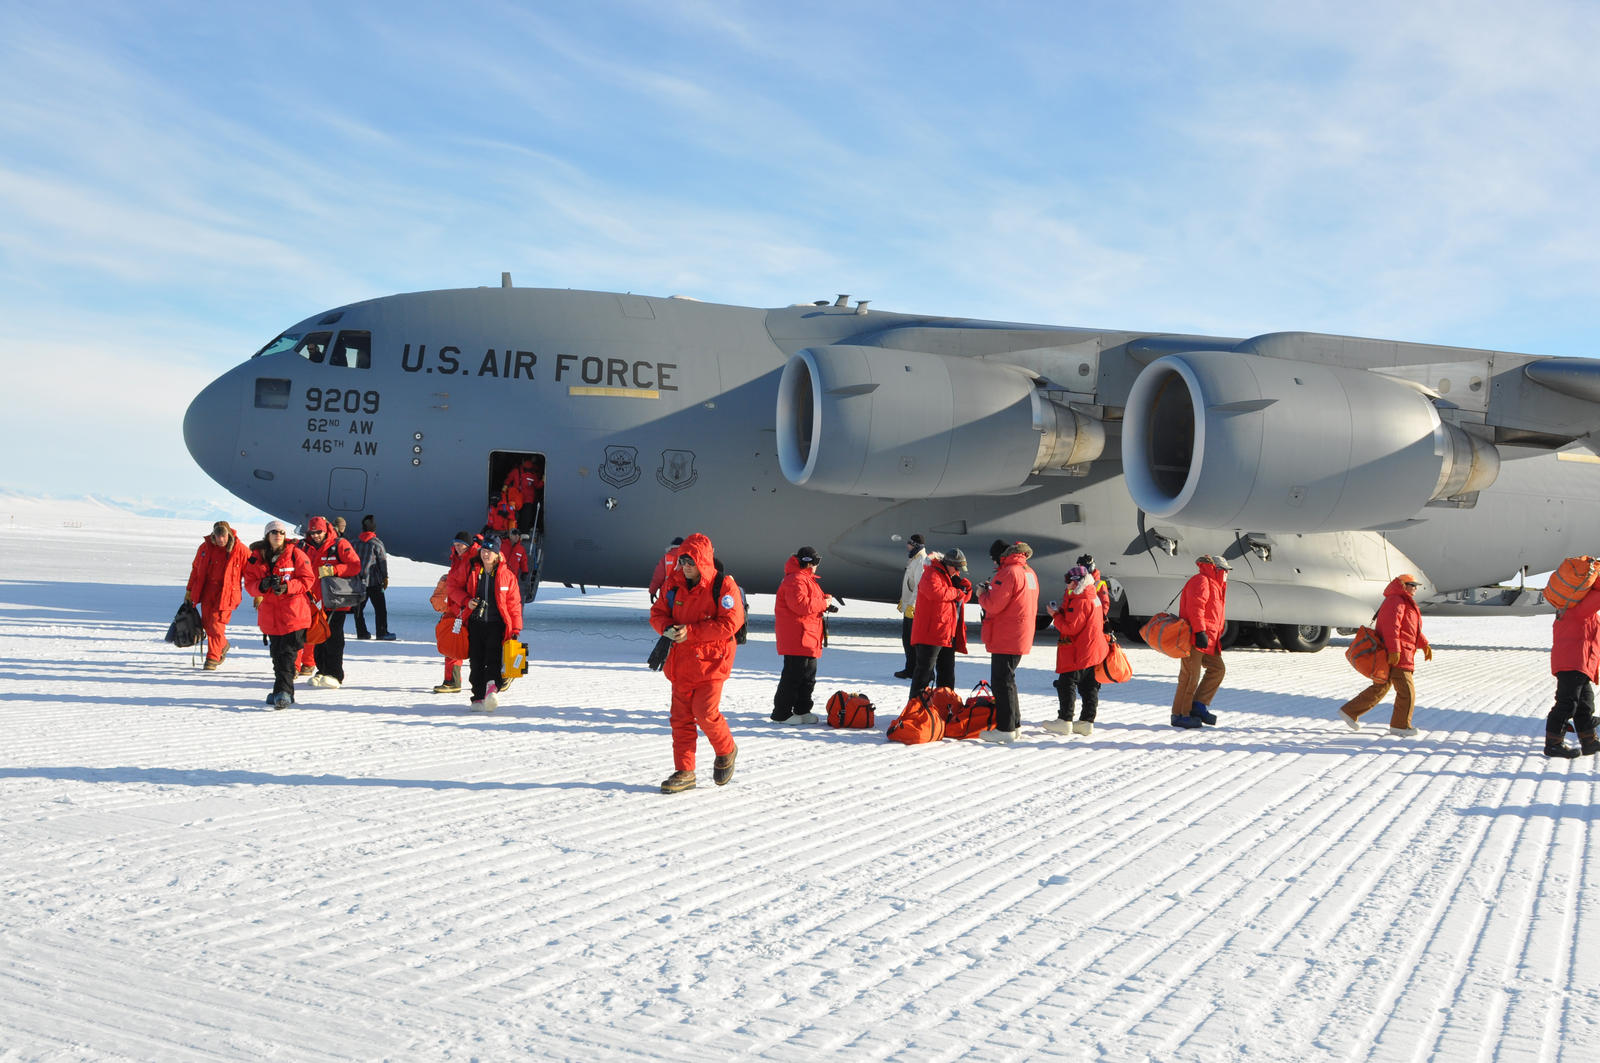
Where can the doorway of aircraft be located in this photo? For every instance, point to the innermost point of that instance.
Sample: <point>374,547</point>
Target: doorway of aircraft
<point>516,503</point>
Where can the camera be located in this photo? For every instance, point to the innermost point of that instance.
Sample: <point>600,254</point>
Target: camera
<point>658,656</point>
<point>272,583</point>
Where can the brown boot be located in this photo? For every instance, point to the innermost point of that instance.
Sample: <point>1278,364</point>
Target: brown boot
<point>1555,746</point>
<point>677,782</point>
<point>722,770</point>
<point>452,684</point>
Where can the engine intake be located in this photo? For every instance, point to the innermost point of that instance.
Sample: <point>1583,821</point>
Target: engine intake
<point>871,421</point>
<point>1218,439</point>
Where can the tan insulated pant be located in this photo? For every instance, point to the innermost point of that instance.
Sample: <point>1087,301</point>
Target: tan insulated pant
<point>1405,696</point>
<point>1192,685</point>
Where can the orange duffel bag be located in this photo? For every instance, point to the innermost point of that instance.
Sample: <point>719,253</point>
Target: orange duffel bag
<point>922,720</point>
<point>1367,655</point>
<point>450,635</point>
<point>972,717</point>
<point>1115,668</point>
<point>850,710</point>
<point>319,630</point>
<point>1571,581</point>
<point>1169,634</point>
<point>440,599</point>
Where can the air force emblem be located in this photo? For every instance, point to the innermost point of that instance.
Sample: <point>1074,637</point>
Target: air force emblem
<point>677,469</point>
<point>621,466</point>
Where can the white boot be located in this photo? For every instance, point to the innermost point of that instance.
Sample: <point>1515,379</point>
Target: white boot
<point>1060,727</point>
<point>1084,728</point>
<point>1004,738</point>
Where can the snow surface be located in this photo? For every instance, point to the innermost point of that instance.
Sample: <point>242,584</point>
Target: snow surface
<point>377,874</point>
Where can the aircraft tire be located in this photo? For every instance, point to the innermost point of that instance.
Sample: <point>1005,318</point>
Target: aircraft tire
<point>1303,638</point>
<point>1230,635</point>
<point>1266,637</point>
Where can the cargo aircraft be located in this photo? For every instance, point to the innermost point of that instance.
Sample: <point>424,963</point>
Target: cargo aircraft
<point>1321,466</point>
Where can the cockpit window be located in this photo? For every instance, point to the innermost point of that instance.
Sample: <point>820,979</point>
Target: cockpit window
<point>284,342</point>
<point>353,349</point>
<point>314,347</point>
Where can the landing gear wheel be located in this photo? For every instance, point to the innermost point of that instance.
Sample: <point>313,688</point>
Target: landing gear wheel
<point>1303,638</point>
<point>1266,637</point>
<point>1230,635</point>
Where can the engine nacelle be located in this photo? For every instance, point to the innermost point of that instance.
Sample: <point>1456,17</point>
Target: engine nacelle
<point>1218,439</point>
<point>907,424</point>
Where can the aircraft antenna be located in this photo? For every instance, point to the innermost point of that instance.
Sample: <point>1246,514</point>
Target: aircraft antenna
<point>505,279</point>
<point>843,300</point>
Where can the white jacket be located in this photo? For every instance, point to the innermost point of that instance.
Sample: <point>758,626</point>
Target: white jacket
<point>908,582</point>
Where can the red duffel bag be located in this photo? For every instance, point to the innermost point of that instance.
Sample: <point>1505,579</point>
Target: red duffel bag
<point>450,635</point>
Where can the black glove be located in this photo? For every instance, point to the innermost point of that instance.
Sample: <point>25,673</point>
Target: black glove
<point>961,583</point>
<point>658,656</point>
<point>1202,640</point>
<point>833,608</point>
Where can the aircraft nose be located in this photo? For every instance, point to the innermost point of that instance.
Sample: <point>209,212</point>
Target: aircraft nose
<point>211,427</point>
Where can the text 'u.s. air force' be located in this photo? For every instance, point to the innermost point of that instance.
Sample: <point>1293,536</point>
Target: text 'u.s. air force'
<point>513,364</point>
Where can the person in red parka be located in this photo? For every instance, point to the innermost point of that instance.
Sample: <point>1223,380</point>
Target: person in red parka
<point>1010,602</point>
<point>664,566</point>
<point>485,593</point>
<point>699,611</point>
<point>214,580</point>
<point>278,579</point>
<point>938,629</point>
<point>1399,626</point>
<point>1575,662</point>
<point>1081,644</point>
<point>1204,604</point>
<point>463,551</point>
<point>798,610</point>
<point>330,555</point>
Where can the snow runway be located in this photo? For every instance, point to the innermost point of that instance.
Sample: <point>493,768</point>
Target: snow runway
<point>379,874</point>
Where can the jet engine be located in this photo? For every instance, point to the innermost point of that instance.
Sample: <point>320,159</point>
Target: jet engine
<point>1218,439</point>
<point>871,421</point>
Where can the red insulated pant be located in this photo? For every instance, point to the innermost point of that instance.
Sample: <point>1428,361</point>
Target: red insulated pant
<point>697,708</point>
<point>214,621</point>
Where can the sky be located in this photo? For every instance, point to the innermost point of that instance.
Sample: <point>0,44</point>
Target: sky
<point>181,181</point>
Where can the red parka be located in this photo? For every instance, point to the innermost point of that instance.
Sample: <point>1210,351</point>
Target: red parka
<point>507,594</point>
<point>516,556</point>
<point>1010,607</point>
<point>290,611</point>
<point>1575,640</point>
<point>1399,624</point>
<point>797,611</point>
<point>1080,623</point>
<point>502,516</point>
<point>1204,604</point>
<point>335,552</point>
<point>664,564</point>
<point>216,572</point>
<point>706,653</point>
<point>938,619</point>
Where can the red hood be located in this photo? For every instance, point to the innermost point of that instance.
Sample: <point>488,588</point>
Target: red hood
<point>698,548</point>
<point>1396,586</point>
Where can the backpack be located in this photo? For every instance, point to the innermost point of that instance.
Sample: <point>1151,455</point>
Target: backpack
<point>185,630</point>
<point>919,721</point>
<point>1569,583</point>
<point>970,718</point>
<point>716,593</point>
<point>1168,633</point>
<point>850,711</point>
